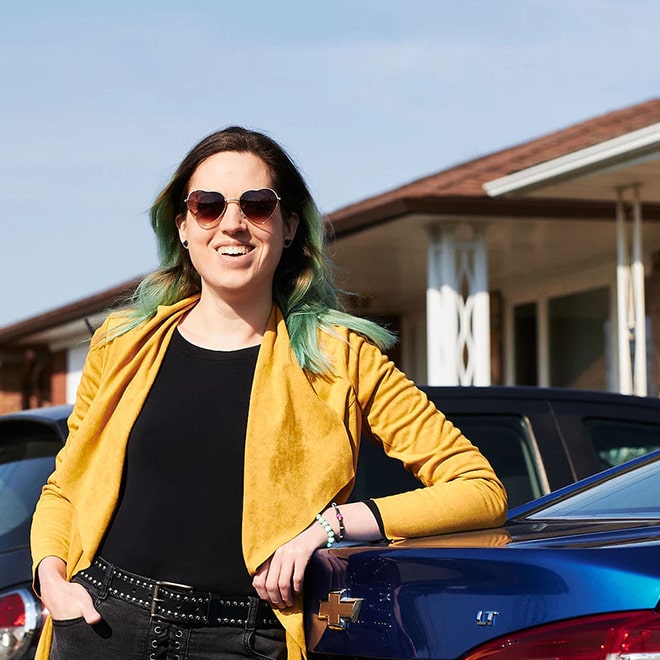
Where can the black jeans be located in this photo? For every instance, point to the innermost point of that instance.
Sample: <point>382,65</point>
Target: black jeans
<point>128,632</point>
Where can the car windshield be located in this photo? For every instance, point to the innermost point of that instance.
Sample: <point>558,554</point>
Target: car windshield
<point>630,495</point>
<point>27,457</point>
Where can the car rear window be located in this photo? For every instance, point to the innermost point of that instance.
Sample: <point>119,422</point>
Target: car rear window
<point>630,495</point>
<point>27,457</point>
<point>505,440</point>
<point>617,441</point>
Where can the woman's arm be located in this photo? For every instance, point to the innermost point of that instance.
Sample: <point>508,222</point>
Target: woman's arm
<point>280,578</point>
<point>461,491</point>
<point>51,523</point>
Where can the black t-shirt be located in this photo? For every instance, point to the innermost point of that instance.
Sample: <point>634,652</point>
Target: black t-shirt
<point>180,506</point>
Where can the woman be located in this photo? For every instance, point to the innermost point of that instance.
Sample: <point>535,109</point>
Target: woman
<point>213,442</point>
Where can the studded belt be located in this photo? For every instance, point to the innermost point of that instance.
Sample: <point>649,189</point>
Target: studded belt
<point>177,603</point>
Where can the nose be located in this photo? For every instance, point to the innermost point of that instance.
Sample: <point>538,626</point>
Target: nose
<point>232,219</point>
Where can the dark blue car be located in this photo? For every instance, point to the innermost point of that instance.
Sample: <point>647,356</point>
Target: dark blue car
<point>573,575</point>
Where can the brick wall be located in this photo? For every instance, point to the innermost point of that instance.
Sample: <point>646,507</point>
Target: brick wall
<point>25,379</point>
<point>58,378</point>
<point>11,379</point>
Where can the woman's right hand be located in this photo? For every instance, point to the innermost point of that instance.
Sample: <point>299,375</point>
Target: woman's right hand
<point>63,599</point>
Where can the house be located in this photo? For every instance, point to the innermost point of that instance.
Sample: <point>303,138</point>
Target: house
<point>538,264</point>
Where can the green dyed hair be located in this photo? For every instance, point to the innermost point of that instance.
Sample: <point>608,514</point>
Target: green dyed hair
<point>303,286</point>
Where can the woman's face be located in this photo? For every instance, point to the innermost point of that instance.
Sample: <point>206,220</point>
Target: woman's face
<point>236,258</point>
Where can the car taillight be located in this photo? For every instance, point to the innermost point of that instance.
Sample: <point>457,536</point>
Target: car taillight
<point>20,620</point>
<point>618,636</point>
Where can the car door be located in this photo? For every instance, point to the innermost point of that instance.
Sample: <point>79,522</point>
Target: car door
<point>513,427</point>
<point>607,430</point>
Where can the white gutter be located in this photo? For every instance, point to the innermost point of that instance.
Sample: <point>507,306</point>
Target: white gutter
<point>637,146</point>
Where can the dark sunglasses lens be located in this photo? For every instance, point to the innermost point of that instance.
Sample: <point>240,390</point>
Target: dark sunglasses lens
<point>258,205</point>
<point>207,207</point>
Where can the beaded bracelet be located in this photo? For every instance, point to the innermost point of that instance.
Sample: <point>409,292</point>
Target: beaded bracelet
<point>328,529</point>
<point>340,520</point>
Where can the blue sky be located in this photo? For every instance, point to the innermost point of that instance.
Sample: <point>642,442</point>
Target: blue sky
<point>99,104</point>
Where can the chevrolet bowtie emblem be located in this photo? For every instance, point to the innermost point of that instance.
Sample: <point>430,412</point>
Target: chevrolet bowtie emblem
<point>339,609</point>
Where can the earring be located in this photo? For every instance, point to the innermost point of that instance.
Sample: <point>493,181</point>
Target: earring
<point>287,242</point>
<point>185,244</point>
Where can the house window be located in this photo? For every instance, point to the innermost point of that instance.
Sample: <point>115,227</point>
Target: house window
<point>577,339</point>
<point>526,349</point>
<point>563,341</point>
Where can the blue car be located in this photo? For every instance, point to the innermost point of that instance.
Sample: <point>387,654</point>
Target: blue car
<point>572,575</point>
<point>29,441</point>
<point>537,439</point>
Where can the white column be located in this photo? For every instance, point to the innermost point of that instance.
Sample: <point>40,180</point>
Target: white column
<point>622,299</point>
<point>630,303</point>
<point>441,309</point>
<point>458,309</point>
<point>481,313</point>
<point>638,293</point>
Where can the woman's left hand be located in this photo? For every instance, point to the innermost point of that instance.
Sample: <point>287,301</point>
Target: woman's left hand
<point>280,578</point>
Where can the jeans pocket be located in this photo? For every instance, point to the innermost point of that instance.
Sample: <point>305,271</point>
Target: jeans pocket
<point>69,639</point>
<point>267,643</point>
<point>64,623</point>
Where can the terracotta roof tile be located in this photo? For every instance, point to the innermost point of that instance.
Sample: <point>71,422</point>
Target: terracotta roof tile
<point>467,179</point>
<point>79,309</point>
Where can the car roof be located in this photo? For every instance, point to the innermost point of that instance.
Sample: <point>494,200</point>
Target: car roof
<point>46,414</point>
<point>530,392</point>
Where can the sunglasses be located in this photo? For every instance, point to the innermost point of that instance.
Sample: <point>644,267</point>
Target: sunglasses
<point>208,207</point>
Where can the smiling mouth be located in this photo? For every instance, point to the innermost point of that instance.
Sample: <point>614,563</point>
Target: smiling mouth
<point>234,250</point>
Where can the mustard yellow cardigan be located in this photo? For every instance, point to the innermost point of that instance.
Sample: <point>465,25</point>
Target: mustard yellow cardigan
<point>301,447</point>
